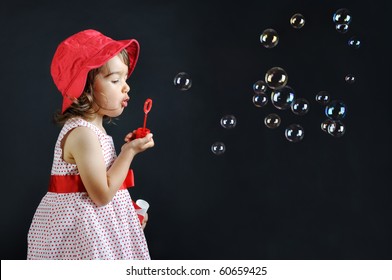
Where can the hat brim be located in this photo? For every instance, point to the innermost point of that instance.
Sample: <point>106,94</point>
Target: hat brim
<point>109,51</point>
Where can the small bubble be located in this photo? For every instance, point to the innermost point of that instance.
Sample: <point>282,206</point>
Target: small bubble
<point>272,121</point>
<point>218,148</point>
<point>325,124</point>
<point>276,78</point>
<point>342,16</point>
<point>350,79</point>
<point>323,97</point>
<point>336,129</point>
<point>336,110</point>
<point>294,133</point>
<point>269,38</point>
<point>260,99</point>
<point>182,81</point>
<point>300,106</point>
<point>297,21</point>
<point>260,87</point>
<point>342,28</point>
<point>354,42</point>
<point>228,121</point>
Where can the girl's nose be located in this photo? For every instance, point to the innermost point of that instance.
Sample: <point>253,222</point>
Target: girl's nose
<point>126,88</point>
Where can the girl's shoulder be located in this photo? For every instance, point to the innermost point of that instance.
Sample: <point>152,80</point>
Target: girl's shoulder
<point>73,123</point>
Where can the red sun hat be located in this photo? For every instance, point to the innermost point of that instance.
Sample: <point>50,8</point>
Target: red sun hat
<point>81,52</point>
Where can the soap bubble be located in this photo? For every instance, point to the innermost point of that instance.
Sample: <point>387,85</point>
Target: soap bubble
<point>325,124</point>
<point>336,128</point>
<point>354,42</point>
<point>260,87</point>
<point>294,133</point>
<point>182,81</point>
<point>269,38</point>
<point>218,148</point>
<point>260,99</point>
<point>272,120</point>
<point>342,16</point>
<point>228,121</point>
<point>350,78</point>
<point>300,106</point>
<point>297,21</point>
<point>342,28</point>
<point>282,98</point>
<point>276,78</point>
<point>323,97</point>
<point>336,110</point>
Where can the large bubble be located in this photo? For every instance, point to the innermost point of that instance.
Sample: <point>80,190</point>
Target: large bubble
<point>294,133</point>
<point>269,38</point>
<point>182,81</point>
<point>276,78</point>
<point>282,98</point>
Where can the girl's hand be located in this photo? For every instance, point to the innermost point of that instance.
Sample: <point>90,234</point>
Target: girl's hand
<point>137,145</point>
<point>144,223</point>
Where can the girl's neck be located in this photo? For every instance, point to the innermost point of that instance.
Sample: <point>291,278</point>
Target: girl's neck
<point>97,120</point>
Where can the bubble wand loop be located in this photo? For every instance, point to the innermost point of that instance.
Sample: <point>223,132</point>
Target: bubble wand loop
<point>146,109</point>
<point>143,131</point>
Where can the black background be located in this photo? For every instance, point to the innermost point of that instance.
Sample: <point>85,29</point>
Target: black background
<point>264,198</point>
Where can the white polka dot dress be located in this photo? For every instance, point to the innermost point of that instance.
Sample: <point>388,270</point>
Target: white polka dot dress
<point>68,225</point>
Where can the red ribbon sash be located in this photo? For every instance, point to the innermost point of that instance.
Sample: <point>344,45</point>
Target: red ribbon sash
<point>73,183</point>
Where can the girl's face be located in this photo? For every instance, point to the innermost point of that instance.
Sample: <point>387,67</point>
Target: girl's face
<point>110,88</point>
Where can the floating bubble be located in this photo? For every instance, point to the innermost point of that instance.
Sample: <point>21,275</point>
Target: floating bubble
<point>336,129</point>
<point>218,148</point>
<point>282,98</point>
<point>354,42</point>
<point>342,28</point>
<point>269,38</point>
<point>182,81</point>
<point>260,99</point>
<point>336,110</point>
<point>297,21</point>
<point>228,121</point>
<point>260,87</point>
<point>272,120</point>
<point>300,106</point>
<point>325,124</point>
<point>294,133</point>
<point>350,78</point>
<point>342,16</point>
<point>323,97</point>
<point>276,78</point>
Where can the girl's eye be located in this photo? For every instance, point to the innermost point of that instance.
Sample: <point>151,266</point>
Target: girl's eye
<point>115,81</point>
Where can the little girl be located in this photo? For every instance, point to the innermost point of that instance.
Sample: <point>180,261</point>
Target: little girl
<point>87,212</point>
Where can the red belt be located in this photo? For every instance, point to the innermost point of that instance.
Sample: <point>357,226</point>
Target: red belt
<point>73,183</point>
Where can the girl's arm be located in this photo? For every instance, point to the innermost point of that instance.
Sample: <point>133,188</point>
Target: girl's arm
<point>82,145</point>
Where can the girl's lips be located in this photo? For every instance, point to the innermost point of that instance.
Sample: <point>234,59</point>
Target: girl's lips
<point>124,103</point>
